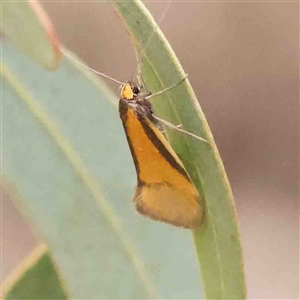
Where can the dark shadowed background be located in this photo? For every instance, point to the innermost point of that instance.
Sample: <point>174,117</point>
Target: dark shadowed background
<point>243,63</point>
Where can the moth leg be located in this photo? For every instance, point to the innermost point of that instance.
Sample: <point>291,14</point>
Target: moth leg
<point>140,80</point>
<point>178,128</point>
<point>168,88</point>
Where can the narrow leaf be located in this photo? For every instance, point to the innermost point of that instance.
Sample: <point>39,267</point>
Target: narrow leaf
<point>217,241</point>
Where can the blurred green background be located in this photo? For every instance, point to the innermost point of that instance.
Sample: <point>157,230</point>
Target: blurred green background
<point>243,62</point>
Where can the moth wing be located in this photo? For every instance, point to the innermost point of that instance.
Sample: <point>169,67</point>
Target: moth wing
<point>164,191</point>
<point>164,202</point>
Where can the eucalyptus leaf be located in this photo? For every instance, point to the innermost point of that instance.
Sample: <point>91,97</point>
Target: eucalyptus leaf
<point>65,151</point>
<point>217,241</point>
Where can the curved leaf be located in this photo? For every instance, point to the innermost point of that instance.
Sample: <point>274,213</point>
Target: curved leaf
<point>66,153</point>
<point>217,240</point>
<point>30,29</point>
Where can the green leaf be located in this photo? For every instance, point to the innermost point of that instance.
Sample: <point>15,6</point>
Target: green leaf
<point>217,241</point>
<point>29,28</point>
<point>35,278</point>
<point>60,193</point>
<point>65,151</point>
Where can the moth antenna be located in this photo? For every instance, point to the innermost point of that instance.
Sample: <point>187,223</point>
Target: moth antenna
<point>65,53</point>
<point>139,56</point>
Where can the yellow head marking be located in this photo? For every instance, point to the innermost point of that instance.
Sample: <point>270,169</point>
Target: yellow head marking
<point>126,92</point>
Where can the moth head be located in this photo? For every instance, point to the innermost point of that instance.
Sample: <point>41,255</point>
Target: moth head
<point>129,91</point>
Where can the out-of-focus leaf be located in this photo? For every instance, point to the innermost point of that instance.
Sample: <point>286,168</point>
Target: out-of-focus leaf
<point>35,278</point>
<point>65,151</point>
<point>30,29</point>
